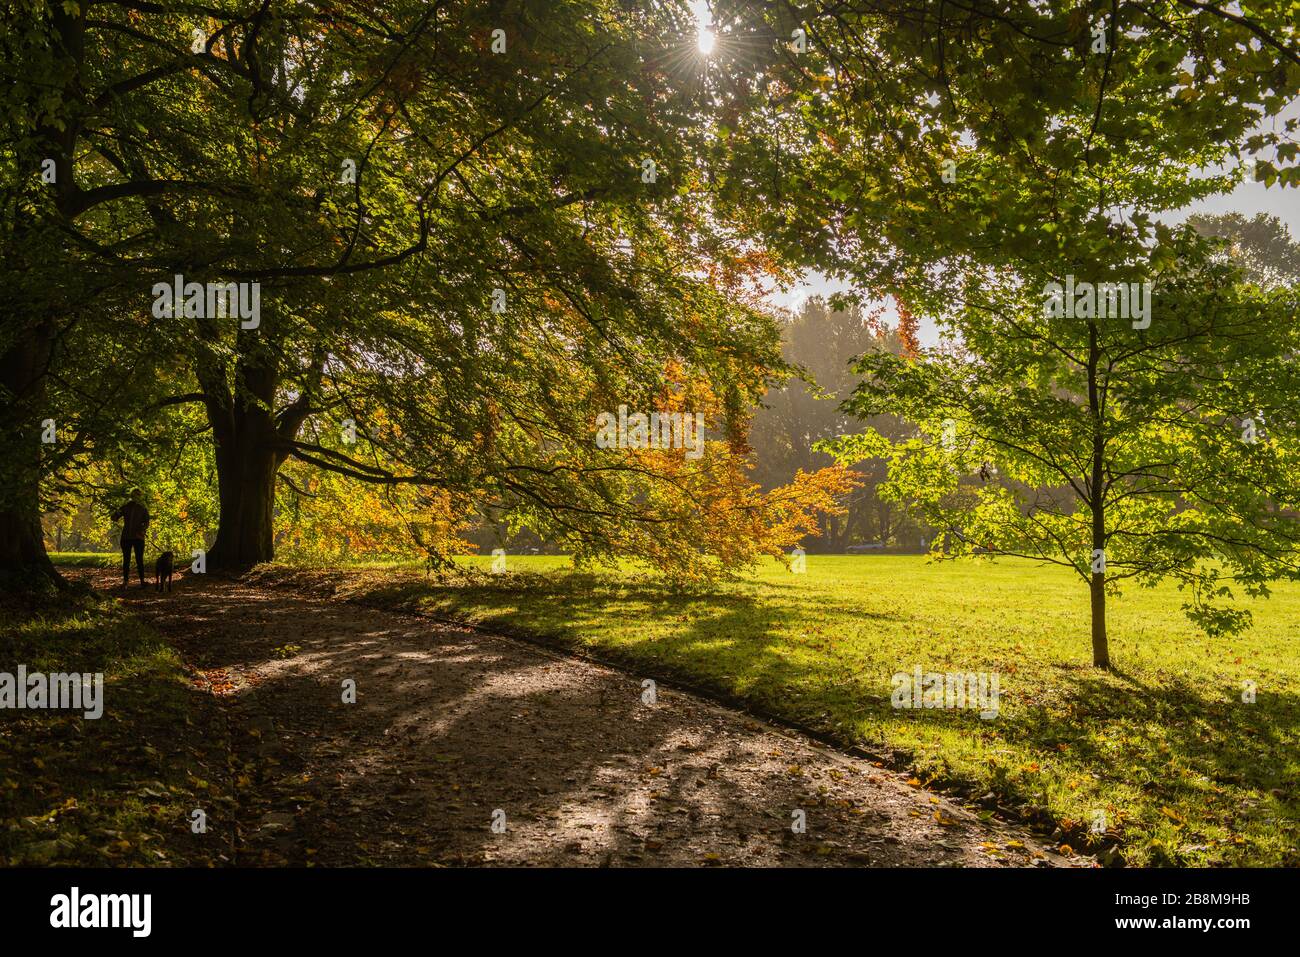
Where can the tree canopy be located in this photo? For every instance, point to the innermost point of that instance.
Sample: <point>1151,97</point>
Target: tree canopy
<point>430,248</point>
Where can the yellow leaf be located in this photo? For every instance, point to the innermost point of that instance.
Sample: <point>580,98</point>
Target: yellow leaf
<point>1173,815</point>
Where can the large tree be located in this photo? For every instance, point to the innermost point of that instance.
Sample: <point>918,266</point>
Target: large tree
<point>503,148</point>
<point>73,357</point>
<point>472,231</point>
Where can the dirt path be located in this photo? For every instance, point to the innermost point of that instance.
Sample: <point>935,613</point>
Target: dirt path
<point>453,727</point>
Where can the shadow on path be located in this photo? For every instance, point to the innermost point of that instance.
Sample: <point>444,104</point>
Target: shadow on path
<point>453,727</point>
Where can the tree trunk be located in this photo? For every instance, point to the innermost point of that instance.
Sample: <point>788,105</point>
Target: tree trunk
<point>1097,493</point>
<point>1097,586</point>
<point>1100,646</point>
<point>251,445</point>
<point>22,544</point>
<point>252,438</point>
<point>24,364</point>
<point>246,470</point>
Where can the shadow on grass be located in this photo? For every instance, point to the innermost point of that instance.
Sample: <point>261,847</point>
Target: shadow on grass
<point>117,789</point>
<point>1199,757</point>
<point>1152,742</point>
<point>729,645</point>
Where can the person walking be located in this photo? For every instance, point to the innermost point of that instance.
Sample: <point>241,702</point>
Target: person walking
<point>135,520</point>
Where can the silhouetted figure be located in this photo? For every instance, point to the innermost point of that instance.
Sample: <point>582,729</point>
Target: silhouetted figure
<point>135,519</point>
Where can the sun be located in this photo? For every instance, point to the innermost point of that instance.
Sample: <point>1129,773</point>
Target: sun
<point>705,37</point>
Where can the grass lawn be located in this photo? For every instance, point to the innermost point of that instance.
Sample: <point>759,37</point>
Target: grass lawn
<point>1185,771</point>
<point>90,560</point>
<point>118,789</point>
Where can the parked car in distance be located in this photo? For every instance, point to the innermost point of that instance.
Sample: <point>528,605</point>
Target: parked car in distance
<point>866,547</point>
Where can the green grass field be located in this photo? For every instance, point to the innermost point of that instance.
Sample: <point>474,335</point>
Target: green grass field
<point>88,559</point>
<point>1185,771</point>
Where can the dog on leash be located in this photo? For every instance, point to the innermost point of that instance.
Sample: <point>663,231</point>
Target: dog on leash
<point>162,571</point>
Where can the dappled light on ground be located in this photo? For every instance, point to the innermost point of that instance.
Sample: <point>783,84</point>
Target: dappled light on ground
<point>452,725</point>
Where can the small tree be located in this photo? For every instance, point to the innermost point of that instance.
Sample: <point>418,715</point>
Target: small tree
<point>1115,448</point>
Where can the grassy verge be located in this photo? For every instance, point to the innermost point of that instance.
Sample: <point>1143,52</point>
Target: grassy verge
<point>87,559</point>
<point>118,789</point>
<point>1181,768</point>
